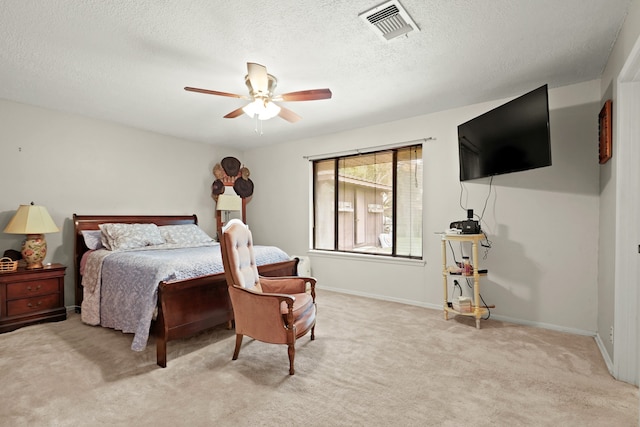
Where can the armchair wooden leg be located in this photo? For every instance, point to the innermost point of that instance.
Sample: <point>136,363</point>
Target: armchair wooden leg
<point>313,332</point>
<point>238,344</point>
<point>292,354</point>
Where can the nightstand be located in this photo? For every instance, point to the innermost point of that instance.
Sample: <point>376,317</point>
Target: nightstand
<point>32,296</point>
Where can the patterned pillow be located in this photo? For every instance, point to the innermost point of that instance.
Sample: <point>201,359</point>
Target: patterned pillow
<point>117,237</point>
<point>93,239</point>
<point>184,234</point>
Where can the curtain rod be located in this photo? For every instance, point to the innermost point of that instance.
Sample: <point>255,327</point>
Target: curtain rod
<point>366,150</point>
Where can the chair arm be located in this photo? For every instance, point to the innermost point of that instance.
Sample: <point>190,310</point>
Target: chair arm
<point>288,285</point>
<point>305,278</point>
<point>312,285</point>
<point>258,314</point>
<point>311,280</point>
<point>281,297</point>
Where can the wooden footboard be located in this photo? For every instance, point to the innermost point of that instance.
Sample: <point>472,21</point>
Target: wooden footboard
<point>186,307</point>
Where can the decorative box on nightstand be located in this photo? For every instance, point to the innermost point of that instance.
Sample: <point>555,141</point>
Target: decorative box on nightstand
<point>31,296</point>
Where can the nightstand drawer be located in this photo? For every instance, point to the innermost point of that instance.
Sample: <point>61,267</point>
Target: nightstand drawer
<point>32,305</point>
<point>32,289</point>
<point>32,296</point>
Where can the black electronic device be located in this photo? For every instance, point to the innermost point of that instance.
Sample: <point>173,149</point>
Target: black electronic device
<point>468,226</point>
<point>510,138</point>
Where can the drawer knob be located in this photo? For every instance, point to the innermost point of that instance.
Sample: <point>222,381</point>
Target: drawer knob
<point>39,303</point>
<point>36,289</point>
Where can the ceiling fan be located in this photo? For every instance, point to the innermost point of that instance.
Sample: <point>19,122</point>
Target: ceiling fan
<point>261,87</point>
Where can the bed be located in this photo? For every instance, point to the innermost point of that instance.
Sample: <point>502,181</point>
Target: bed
<point>183,305</point>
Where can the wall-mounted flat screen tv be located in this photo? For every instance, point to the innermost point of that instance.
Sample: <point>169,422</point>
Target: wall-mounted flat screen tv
<point>513,137</point>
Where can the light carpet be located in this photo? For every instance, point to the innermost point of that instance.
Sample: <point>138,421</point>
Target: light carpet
<point>373,363</point>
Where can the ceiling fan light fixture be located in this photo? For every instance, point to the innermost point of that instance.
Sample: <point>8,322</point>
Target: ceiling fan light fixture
<point>264,110</point>
<point>261,86</point>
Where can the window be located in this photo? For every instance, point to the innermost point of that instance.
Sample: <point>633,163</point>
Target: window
<point>369,203</point>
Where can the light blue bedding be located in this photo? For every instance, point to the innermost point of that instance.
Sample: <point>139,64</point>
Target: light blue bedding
<point>128,289</point>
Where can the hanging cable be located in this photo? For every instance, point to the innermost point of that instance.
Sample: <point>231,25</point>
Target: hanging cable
<point>486,200</point>
<point>460,200</point>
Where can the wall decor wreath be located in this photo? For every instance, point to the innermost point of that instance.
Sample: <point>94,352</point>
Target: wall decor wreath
<point>230,173</point>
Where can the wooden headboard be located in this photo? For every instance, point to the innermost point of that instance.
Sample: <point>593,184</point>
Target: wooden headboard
<point>92,222</point>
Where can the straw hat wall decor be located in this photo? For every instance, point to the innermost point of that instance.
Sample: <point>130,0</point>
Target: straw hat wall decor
<point>230,173</point>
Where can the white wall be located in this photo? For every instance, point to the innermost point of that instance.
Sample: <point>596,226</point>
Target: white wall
<point>627,38</point>
<point>73,164</point>
<point>543,223</point>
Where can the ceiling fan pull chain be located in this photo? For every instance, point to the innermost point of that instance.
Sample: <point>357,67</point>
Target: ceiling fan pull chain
<point>255,129</point>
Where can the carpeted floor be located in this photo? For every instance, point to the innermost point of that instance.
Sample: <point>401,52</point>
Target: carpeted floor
<point>373,363</point>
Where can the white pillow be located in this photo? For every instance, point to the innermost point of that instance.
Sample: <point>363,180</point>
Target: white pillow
<point>93,239</point>
<point>117,237</point>
<point>184,234</point>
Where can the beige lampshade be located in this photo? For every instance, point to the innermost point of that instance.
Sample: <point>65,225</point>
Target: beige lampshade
<point>229,202</point>
<point>31,219</point>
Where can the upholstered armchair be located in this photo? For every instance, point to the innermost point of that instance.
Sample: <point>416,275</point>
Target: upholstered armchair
<point>276,310</point>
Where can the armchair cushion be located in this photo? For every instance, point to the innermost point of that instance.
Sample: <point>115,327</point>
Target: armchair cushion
<point>304,312</point>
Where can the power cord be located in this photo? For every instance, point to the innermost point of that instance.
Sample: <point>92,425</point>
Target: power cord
<point>486,245</point>
<point>456,285</point>
<point>486,200</point>
<point>484,304</point>
<point>453,252</point>
<point>453,290</point>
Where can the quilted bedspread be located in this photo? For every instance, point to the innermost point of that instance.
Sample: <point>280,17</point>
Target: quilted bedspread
<point>121,288</point>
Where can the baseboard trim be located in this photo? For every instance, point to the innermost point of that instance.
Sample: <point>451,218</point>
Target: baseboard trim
<point>508,319</point>
<point>381,298</point>
<point>72,309</point>
<point>605,354</point>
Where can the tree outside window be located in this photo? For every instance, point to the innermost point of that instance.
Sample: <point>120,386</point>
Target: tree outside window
<point>370,203</point>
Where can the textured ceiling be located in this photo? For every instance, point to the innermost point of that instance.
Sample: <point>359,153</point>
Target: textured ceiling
<point>128,61</point>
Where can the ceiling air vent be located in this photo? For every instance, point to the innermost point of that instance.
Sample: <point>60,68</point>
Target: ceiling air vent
<point>389,20</point>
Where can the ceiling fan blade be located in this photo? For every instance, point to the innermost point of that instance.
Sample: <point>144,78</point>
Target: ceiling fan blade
<point>305,95</point>
<point>288,115</point>
<point>214,92</point>
<point>258,77</point>
<point>235,113</point>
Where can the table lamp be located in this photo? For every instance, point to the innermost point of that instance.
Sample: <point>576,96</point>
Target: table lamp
<point>33,221</point>
<point>227,203</point>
